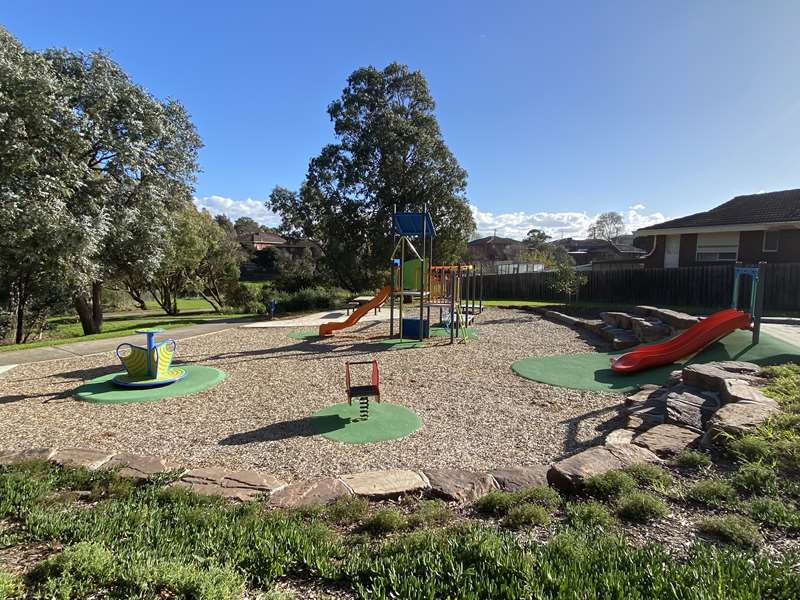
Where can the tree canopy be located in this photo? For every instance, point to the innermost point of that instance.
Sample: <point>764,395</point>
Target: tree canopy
<point>389,152</point>
<point>608,226</point>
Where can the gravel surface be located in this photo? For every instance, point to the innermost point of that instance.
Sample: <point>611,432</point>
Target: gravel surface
<point>477,414</point>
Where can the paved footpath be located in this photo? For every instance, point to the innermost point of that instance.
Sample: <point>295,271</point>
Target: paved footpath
<point>32,355</point>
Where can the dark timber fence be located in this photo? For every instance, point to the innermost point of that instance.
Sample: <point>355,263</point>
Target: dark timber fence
<point>708,286</point>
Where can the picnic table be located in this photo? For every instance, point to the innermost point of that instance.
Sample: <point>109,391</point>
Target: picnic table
<point>359,301</point>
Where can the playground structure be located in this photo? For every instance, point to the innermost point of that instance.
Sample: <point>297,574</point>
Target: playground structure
<point>706,332</point>
<point>456,290</point>
<point>363,392</point>
<point>150,366</point>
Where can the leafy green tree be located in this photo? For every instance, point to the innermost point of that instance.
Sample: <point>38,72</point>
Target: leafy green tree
<point>536,239</point>
<point>247,226</point>
<point>138,158</point>
<point>608,226</point>
<point>389,152</point>
<point>226,224</point>
<point>567,281</point>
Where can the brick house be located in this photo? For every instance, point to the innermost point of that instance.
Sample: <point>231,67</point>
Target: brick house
<point>261,240</point>
<point>753,228</point>
<point>595,252</point>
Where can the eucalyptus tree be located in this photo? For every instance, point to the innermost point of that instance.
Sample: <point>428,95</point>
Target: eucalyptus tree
<point>389,151</point>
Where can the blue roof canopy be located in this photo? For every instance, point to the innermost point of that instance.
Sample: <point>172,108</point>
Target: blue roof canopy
<point>412,223</point>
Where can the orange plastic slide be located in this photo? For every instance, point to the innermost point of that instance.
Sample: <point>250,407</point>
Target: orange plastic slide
<point>355,317</point>
<point>691,341</point>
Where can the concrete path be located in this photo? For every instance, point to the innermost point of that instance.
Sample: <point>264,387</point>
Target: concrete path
<point>32,355</point>
<point>317,319</point>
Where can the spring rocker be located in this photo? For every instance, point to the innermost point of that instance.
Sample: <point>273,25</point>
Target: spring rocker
<point>363,392</point>
<point>150,366</point>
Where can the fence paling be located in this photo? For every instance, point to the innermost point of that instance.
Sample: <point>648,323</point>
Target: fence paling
<point>708,286</point>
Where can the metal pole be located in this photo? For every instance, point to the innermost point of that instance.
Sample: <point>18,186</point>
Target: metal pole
<point>480,308</point>
<point>422,270</point>
<point>758,309</point>
<point>735,302</point>
<point>393,274</point>
<point>402,285</point>
<point>452,304</point>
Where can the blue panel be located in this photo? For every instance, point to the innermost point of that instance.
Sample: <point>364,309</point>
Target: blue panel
<point>411,223</point>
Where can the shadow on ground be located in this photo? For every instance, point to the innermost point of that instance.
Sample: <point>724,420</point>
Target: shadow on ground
<point>284,430</point>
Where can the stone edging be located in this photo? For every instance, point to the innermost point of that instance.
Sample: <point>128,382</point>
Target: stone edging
<point>700,405</point>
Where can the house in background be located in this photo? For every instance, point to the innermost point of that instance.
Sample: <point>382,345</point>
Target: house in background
<point>261,240</point>
<point>591,254</point>
<point>494,249</point>
<point>758,227</point>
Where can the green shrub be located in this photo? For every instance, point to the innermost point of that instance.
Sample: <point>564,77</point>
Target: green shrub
<point>494,504</point>
<point>387,520</point>
<point>347,510</point>
<point>750,447</point>
<point>543,496</point>
<point>640,507</point>
<point>732,529</point>
<point>651,476</point>
<point>712,492</point>
<point>692,459</point>
<point>244,298</point>
<point>755,478</point>
<point>526,515</point>
<point>430,513</point>
<point>610,485</point>
<point>589,514</point>
<point>10,586</point>
<point>774,513</point>
<point>313,298</point>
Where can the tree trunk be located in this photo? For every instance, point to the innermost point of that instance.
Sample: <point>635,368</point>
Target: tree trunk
<point>90,311</point>
<point>18,337</point>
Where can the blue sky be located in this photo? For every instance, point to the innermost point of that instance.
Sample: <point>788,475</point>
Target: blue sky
<point>557,110</point>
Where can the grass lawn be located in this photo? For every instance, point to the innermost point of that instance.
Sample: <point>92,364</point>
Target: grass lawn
<point>190,304</point>
<point>66,330</point>
<point>97,535</point>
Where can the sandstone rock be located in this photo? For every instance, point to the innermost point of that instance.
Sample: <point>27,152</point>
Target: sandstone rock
<point>648,393</point>
<point>238,485</point>
<point>312,492</point>
<point>617,319</point>
<point>81,457</point>
<point>648,414</point>
<point>647,331</point>
<point>667,440</point>
<point>737,418</point>
<point>459,485</point>
<point>9,457</point>
<point>561,318</point>
<point>673,318</point>
<point>739,366</point>
<point>710,377</point>
<point>515,478</point>
<point>620,436</point>
<point>385,483</point>
<point>735,390</point>
<point>140,467</point>
<point>675,378</point>
<point>569,474</point>
<point>690,410</point>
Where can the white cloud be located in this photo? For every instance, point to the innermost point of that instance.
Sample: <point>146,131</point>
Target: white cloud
<point>556,224</point>
<point>511,224</point>
<point>255,209</point>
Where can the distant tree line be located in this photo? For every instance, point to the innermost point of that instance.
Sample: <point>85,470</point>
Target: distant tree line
<point>96,177</point>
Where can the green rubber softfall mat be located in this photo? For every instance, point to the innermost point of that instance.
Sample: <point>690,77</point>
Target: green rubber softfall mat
<point>592,370</point>
<point>343,422</point>
<point>102,391</point>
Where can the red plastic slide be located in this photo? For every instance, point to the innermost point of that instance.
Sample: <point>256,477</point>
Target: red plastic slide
<point>355,316</point>
<point>694,339</point>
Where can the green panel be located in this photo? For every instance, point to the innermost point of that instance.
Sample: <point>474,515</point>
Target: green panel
<point>102,391</point>
<point>411,274</point>
<point>343,422</point>
<point>472,332</point>
<point>592,370</point>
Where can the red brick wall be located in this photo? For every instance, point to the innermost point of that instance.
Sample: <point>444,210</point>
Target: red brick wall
<point>688,251</point>
<point>656,259</point>
<point>751,244</point>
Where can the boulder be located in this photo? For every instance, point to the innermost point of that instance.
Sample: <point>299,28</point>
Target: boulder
<point>9,457</point>
<point>648,393</point>
<point>380,484</point>
<point>237,485</point>
<point>312,492</point>
<point>690,410</point>
<point>711,377</point>
<point>649,414</point>
<point>616,319</point>
<point>562,318</point>
<point>140,467</point>
<point>647,331</point>
<point>515,478</point>
<point>570,474</point>
<point>460,485</point>
<point>673,318</point>
<point>668,440</point>
<point>737,418</point>
<point>81,457</point>
<point>736,390</point>
<point>620,436</point>
<point>739,366</point>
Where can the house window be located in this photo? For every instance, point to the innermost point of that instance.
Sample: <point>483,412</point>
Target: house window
<point>770,241</point>
<point>717,247</point>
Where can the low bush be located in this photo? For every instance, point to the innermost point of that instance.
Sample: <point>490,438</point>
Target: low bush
<point>497,503</point>
<point>494,504</point>
<point>610,485</point>
<point>430,513</point>
<point>640,507</point>
<point>755,478</point>
<point>750,447</point>
<point>10,586</point>
<point>526,515</point>
<point>589,514</point>
<point>650,476</point>
<point>386,520</point>
<point>314,298</point>
<point>692,459</point>
<point>347,510</point>
<point>774,512</point>
<point>712,492</point>
<point>732,529</point>
<point>543,496</point>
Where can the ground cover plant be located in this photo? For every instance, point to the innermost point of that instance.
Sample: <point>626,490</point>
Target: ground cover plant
<point>125,540</point>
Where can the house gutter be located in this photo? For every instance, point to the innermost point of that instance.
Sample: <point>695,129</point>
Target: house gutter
<point>719,228</point>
